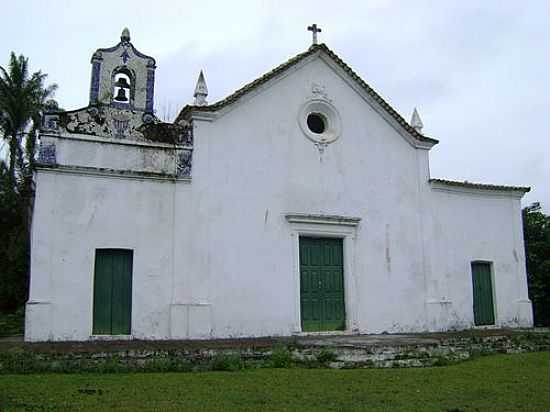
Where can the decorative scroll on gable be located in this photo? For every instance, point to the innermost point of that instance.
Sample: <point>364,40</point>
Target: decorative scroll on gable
<point>109,122</point>
<point>101,121</point>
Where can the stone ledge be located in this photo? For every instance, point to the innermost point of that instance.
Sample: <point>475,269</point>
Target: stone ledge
<point>366,351</point>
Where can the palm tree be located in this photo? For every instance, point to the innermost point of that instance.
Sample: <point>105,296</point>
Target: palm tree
<point>22,100</point>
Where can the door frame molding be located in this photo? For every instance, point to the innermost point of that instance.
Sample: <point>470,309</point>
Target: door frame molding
<point>327,226</point>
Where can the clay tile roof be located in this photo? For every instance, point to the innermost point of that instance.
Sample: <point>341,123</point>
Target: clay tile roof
<point>482,186</point>
<point>291,62</point>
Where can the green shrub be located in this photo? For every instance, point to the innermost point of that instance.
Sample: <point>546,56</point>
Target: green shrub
<point>229,363</point>
<point>280,357</point>
<point>161,364</point>
<point>310,363</point>
<point>12,323</point>
<point>111,365</point>
<point>326,356</point>
<point>181,365</point>
<point>18,361</point>
<point>441,361</point>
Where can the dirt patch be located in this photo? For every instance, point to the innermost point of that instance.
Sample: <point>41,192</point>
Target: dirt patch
<point>146,345</point>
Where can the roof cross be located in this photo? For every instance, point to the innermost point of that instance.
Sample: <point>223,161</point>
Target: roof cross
<point>314,30</point>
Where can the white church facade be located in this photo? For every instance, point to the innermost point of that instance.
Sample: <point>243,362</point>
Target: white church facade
<point>302,203</point>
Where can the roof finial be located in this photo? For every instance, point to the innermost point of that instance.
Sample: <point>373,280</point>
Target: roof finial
<point>125,36</point>
<point>416,121</point>
<point>201,91</point>
<point>314,30</point>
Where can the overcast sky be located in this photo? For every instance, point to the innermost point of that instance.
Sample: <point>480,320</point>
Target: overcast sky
<point>478,71</point>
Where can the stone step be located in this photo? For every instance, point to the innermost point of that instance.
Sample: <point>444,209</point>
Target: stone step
<point>379,351</point>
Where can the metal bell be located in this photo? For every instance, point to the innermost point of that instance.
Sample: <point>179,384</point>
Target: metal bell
<point>121,95</point>
<point>121,82</point>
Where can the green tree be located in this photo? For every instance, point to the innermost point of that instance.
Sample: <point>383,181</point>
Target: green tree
<point>536,233</point>
<point>23,98</point>
<point>14,244</point>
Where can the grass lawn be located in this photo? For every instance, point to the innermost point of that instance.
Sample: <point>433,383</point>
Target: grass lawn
<point>495,383</point>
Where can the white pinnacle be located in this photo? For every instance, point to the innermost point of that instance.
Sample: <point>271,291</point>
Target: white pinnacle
<point>201,91</point>
<point>125,36</point>
<point>416,121</point>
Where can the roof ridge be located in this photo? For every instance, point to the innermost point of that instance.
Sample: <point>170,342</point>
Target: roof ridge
<point>375,95</point>
<point>250,85</point>
<point>265,77</point>
<point>475,185</point>
<point>289,63</point>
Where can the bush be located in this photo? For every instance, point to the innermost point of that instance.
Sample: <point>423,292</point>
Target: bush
<point>12,323</point>
<point>229,363</point>
<point>536,233</point>
<point>441,361</point>
<point>111,365</point>
<point>280,357</point>
<point>169,364</point>
<point>326,356</point>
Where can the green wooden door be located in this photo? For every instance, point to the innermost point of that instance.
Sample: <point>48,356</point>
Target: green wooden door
<point>322,284</point>
<point>113,292</point>
<point>484,312</point>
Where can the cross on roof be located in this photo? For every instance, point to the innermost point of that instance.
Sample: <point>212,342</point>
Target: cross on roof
<point>314,30</point>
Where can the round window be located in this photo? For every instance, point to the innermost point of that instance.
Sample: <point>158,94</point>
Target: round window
<point>316,123</point>
<point>320,121</point>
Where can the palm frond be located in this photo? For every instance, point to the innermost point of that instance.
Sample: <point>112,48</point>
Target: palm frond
<point>22,101</point>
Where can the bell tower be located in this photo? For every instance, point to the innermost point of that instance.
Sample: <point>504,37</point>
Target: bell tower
<point>123,78</point>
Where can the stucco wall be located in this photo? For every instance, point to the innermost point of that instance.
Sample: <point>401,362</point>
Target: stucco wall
<point>253,165</point>
<point>116,154</point>
<point>468,227</point>
<point>216,257</point>
<point>74,215</point>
